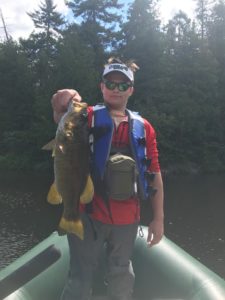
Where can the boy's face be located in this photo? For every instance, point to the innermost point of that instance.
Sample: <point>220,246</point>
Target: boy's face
<point>116,99</point>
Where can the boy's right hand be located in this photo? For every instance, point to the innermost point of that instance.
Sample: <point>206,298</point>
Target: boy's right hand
<point>60,101</point>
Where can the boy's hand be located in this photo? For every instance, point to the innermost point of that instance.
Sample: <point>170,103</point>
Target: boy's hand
<point>155,232</point>
<point>60,101</point>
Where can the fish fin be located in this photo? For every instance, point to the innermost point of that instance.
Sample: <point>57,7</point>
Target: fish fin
<point>71,226</point>
<point>88,191</point>
<point>49,146</point>
<point>53,196</point>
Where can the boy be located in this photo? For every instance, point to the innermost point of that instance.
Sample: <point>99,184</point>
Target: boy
<point>115,221</point>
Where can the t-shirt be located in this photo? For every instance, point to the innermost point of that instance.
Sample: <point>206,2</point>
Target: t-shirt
<point>124,212</point>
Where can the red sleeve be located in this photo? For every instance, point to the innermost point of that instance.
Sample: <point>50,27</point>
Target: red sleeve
<point>90,115</point>
<point>151,146</point>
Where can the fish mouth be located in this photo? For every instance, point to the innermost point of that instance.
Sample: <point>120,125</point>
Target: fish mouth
<point>78,106</point>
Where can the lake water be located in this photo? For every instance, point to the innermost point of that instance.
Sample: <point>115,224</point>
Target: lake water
<point>194,210</point>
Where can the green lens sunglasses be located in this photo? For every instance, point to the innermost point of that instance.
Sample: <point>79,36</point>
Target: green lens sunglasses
<point>122,86</point>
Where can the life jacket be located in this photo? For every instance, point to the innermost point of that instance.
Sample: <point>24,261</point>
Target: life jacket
<point>101,134</point>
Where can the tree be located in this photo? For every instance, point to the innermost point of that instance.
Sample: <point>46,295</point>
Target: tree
<point>216,32</point>
<point>40,46</point>
<point>202,15</point>
<point>179,88</point>
<point>179,28</point>
<point>216,37</point>
<point>142,41</point>
<point>47,19</point>
<point>16,105</point>
<point>99,22</point>
<point>75,65</point>
<point>189,95</point>
<point>41,50</point>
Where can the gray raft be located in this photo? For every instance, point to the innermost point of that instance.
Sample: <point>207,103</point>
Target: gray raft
<point>164,272</point>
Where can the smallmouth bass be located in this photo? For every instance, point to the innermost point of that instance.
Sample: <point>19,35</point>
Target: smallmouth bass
<point>71,166</point>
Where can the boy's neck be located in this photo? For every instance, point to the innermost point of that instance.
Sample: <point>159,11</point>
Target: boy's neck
<point>117,112</point>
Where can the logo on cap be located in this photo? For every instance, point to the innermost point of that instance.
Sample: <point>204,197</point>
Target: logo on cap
<point>118,67</point>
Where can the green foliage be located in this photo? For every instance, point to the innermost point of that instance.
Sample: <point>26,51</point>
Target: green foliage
<point>16,97</point>
<point>41,46</point>
<point>143,42</point>
<point>179,88</point>
<point>202,16</point>
<point>47,18</point>
<point>99,19</point>
<point>75,66</point>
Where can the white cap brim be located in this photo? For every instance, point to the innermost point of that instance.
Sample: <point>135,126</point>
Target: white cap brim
<point>119,68</point>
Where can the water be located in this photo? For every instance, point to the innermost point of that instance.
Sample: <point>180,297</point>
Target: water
<point>25,216</point>
<point>194,209</point>
<point>195,218</point>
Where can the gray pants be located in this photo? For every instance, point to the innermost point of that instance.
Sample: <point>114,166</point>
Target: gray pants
<point>119,241</point>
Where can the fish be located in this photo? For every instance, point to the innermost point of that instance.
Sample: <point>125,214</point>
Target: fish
<point>71,166</point>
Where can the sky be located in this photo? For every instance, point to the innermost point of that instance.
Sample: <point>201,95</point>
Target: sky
<point>19,24</point>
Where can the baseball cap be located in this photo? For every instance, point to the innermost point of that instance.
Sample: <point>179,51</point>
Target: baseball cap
<point>119,68</point>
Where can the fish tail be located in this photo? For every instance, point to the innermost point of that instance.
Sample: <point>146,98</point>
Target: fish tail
<point>71,226</point>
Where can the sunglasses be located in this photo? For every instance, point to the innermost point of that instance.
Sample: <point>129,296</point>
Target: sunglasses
<point>122,86</point>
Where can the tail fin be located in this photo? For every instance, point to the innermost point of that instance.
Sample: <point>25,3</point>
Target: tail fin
<point>71,226</point>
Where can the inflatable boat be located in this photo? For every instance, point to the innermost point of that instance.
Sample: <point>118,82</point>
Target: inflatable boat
<point>163,272</point>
